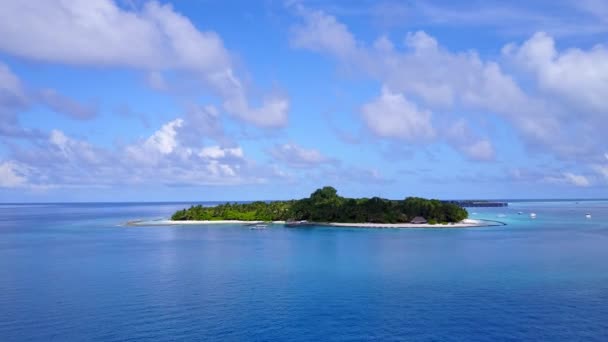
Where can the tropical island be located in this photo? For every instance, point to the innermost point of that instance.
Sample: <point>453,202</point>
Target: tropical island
<point>326,206</point>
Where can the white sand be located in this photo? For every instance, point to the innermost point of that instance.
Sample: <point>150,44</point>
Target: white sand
<point>463,224</point>
<point>193,222</point>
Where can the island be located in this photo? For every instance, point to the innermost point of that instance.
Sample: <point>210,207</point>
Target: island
<point>478,203</point>
<point>325,207</point>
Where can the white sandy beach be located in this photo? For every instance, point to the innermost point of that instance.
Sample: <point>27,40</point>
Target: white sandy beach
<point>462,224</point>
<point>193,222</point>
<point>467,223</point>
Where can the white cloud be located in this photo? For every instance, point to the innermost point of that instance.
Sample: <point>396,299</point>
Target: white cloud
<point>10,175</point>
<point>272,112</point>
<point>203,123</point>
<point>73,150</point>
<point>562,114</point>
<point>164,140</point>
<point>581,76</point>
<point>480,150</point>
<point>217,152</point>
<point>298,156</point>
<point>160,159</point>
<point>601,170</point>
<point>465,140</point>
<point>322,33</point>
<point>101,33</point>
<point>391,115</point>
<point>421,42</point>
<point>156,147</point>
<point>577,180</point>
<point>154,39</point>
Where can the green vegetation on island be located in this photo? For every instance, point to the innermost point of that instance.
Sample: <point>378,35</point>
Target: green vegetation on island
<point>324,205</point>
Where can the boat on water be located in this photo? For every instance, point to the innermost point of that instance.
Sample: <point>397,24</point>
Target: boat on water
<point>301,223</point>
<point>533,215</point>
<point>520,213</point>
<point>588,215</point>
<point>258,226</point>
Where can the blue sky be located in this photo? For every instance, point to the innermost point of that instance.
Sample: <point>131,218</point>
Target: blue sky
<point>132,100</point>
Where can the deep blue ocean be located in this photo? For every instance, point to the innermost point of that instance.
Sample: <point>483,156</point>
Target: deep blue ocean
<point>71,272</point>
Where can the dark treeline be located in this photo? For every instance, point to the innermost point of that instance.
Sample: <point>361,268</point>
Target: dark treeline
<point>324,205</point>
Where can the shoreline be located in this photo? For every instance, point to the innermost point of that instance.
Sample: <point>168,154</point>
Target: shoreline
<point>467,223</point>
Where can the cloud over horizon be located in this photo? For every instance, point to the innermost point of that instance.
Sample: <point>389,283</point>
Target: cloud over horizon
<point>108,95</point>
<point>153,38</point>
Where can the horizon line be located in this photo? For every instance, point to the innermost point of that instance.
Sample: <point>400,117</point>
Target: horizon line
<point>273,200</point>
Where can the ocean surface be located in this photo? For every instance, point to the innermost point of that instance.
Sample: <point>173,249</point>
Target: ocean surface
<point>71,272</point>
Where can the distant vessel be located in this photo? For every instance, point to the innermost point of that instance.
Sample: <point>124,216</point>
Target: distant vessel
<point>296,223</point>
<point>533,215</point>
<point>258,226</point>
<point>588,215</point>
<point>520,213</point>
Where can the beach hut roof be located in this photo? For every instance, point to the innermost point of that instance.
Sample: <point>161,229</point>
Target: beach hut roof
<point>418,219</point>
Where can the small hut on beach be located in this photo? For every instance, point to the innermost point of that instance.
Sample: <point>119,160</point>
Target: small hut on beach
<point>418,220</point>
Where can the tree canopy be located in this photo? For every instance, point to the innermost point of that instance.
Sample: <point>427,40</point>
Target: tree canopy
<point>325,205</point>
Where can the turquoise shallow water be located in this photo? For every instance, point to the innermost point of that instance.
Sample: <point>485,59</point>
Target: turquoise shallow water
<point>69,273</point>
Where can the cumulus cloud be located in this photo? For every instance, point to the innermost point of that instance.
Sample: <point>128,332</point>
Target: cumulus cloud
<point>391,115</point>
<point>581,76</point>
<point>101,33</point>
<point>322,33</point>
<point>298,156</point>
<point>601,170</point>
<point>203,122</point>
<point>576,81</point>
<point>216,152</point>
<point>11,176</point>
<point>155,39</point>
<point>562,113</point>
<point>577,180</point>
<point>71,150</point>
<point>465,140</point>
<point>160,144</point>
<point>163,158</point>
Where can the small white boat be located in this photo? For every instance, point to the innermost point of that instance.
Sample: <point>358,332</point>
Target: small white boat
<point>501,215</point>
<point>533,215</point>
<point>259,226</point>
<point>520,213</point>
<point>302,223</point>
<point>588,215</point>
